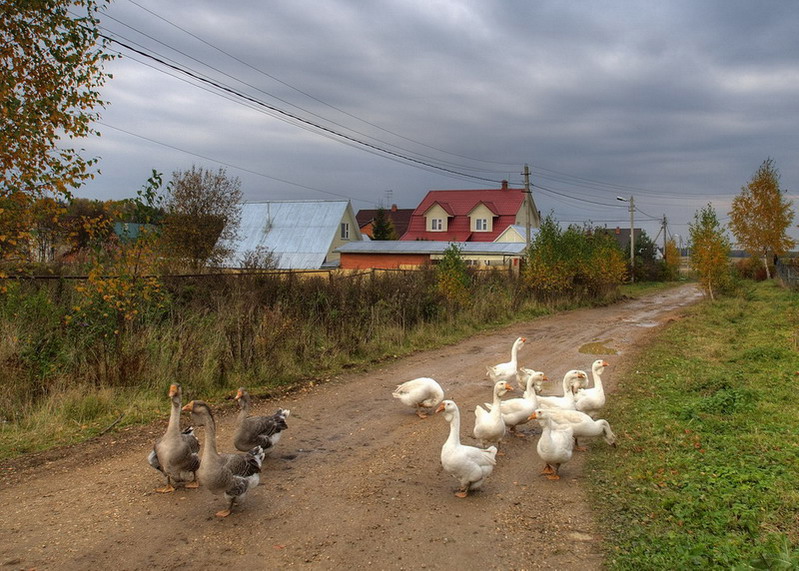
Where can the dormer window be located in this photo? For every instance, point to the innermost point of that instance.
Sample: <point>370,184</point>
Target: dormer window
<point>345,231</point>
<point>481,225</point>
<point>436,224</point>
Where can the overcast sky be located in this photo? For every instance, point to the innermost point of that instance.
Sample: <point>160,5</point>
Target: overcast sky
<point>673,103</point>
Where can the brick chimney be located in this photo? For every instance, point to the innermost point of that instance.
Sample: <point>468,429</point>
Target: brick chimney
<point>393,208</point>
<point>504,185</point>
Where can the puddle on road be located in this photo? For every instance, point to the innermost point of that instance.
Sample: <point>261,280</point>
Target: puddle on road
<point>598,348</point>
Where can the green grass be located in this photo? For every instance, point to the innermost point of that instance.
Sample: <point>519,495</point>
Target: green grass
<point>707,470</point>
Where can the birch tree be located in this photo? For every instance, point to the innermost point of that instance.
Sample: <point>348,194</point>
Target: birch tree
<point>761,215</point>
<point>710,251</point>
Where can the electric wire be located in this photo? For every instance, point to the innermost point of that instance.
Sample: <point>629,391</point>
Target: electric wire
<point>287,114</point>
<point>309,95</point>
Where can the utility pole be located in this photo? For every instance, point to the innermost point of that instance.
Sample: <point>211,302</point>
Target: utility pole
<point>631,200</point>
<point>528,203</point>
<point>665,228</point>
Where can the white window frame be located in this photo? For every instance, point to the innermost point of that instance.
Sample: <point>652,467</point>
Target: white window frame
<point>345,230</point>
<point>436,224</point>
<point>481,224</point>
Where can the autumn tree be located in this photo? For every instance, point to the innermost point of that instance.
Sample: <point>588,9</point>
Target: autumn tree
<point>671,260</point>
<point>761,215</point>
<point>710,250</point>
<point>452,277</point>
<point>202,214</point>
<point>383,227</point>
<point>52,70</point>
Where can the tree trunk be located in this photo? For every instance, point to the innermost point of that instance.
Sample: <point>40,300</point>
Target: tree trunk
<point>765,263</point>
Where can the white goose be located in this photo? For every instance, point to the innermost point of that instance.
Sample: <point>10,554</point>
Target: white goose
<point>555,445</point>
<point>591,400</point>
<point>582,425</point>
<point>518,410</point>
<point>423,392</point>
<point>467,464</point>
<point>489,428</point>
<point>567,400</point>
<point>505,371</point>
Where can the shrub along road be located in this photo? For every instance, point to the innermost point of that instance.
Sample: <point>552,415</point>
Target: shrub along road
<point>355,482</point>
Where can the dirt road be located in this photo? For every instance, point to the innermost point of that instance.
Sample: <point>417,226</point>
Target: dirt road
<point>355,483</point>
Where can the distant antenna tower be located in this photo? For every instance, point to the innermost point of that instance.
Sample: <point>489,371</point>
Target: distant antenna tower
<point>389,198</point>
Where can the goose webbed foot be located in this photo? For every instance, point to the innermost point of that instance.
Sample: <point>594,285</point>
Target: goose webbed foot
<point>461,493</point>
<point>193,484</point>
<point>169,488</point>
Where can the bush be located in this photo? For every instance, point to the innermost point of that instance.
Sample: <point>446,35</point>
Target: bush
<point>572,264</point>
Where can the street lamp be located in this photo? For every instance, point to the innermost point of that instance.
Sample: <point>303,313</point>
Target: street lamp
<point>631,201</point>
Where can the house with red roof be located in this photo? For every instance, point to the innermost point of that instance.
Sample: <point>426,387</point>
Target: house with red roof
<point>471,215</point>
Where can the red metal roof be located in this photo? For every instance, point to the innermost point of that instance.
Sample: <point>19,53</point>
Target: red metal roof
<point>504,203</point>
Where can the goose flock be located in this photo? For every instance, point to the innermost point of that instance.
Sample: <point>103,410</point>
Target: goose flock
<point>563,418</point>
<point>177,453</point>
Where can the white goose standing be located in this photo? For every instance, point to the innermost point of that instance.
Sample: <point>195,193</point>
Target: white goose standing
<point>489,428</point>
<point>467,464</point>
<point>555,445</point>
<point>517,411</point>
<point>505,371</point>
<point>591,400</point>
<point>582,425</point>
<point>567,400</point>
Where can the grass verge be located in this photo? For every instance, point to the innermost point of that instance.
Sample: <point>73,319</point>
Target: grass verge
<point>707,470</point>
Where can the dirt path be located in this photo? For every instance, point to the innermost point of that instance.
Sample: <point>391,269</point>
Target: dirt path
<point>355,483</point>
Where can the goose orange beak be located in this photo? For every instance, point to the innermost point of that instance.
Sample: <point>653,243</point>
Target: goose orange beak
<point>188,406</point>
<point>532,417</point>
<point>440,407</point>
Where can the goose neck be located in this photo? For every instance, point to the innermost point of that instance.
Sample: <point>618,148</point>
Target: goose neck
<point>173,427</point>
<point>454,429</point>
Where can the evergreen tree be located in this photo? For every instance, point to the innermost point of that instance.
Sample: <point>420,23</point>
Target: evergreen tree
<point>383,227</point>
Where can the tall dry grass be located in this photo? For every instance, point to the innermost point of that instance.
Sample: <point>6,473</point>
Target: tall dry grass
<point>67,377</point>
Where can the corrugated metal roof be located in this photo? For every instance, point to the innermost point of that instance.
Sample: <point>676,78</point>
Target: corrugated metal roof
<point>299,233</point>
<point>431,247</point>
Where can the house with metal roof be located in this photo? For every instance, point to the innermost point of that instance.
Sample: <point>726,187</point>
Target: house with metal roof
<point>471,215</point>
<point>399,254</point>
<point>300,234</point>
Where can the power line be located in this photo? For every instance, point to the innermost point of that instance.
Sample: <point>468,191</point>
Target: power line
<point>173,147</point>
<point>305,93</point>
<point>338,135</point>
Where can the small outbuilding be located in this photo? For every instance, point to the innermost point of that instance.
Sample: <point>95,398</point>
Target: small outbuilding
<point>382,254</point>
